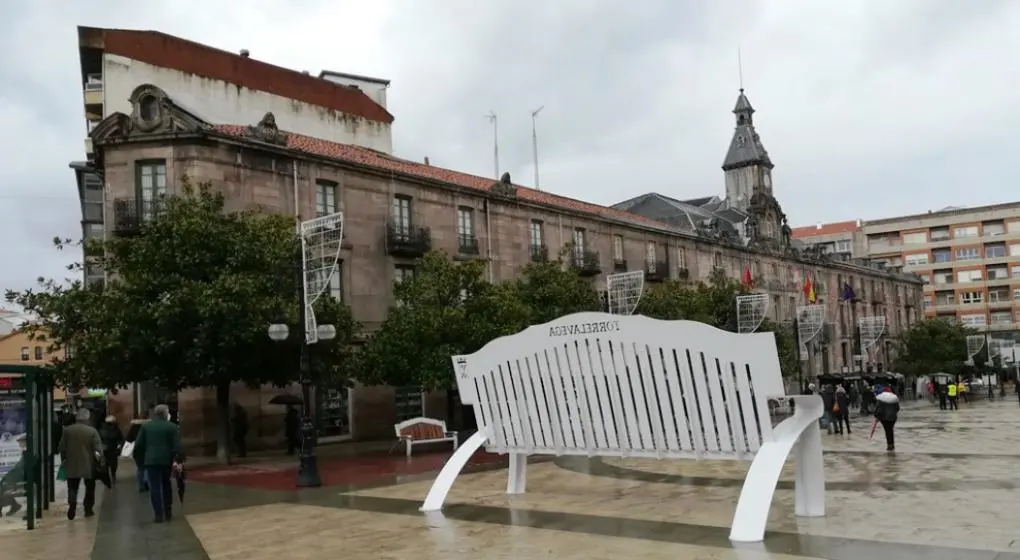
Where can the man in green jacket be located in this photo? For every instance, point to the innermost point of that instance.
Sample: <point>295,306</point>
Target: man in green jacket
<point>157,446</point>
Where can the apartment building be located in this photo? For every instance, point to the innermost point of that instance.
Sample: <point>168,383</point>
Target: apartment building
<point>968,258</point>
<point>398,209</point>
<point>842,240</point>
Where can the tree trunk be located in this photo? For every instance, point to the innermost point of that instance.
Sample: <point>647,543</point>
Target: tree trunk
<point>223,422</point>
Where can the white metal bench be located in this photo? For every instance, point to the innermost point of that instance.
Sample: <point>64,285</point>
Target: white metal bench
<point>597,384</point>
<point>423,430</point>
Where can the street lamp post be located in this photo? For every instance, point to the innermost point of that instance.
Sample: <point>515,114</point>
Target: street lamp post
<point>308,469</point>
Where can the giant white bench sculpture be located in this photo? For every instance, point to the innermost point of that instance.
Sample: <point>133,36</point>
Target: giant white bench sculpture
<point>596,384</point>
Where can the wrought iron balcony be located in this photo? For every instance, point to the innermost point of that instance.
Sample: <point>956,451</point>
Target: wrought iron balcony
<point>130,214</point>
<point>619,265</point>
<point>407,241</point>
<point>539,253</point>
<point>656,271</point>
<point>586,263</point>
<point>467,244</point>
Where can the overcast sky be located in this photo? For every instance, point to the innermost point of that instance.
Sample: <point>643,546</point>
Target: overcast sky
<point>868,108</point>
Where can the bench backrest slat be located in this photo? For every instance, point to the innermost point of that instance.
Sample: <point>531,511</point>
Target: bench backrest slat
<point>601,384</point>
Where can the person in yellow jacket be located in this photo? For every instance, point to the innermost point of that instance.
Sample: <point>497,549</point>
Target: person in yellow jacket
<point>951,389</point>
<point>961,389</point>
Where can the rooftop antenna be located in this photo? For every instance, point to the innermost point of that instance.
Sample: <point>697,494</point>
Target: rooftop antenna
<point>495,142</point>
<point>534,141</point>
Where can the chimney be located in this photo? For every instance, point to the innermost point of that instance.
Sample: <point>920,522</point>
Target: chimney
<point>819,226</point>
<point>858,222</point>
<point>427,160</point>
<point>245,53</point>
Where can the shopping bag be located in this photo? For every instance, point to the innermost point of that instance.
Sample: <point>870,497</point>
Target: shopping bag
<point>128,449</point>
<point>62,472</point>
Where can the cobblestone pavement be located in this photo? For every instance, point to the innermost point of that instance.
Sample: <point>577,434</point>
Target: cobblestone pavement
<point>949,492</point>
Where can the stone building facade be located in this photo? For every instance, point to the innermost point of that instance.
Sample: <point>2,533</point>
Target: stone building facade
<point>396,209</point>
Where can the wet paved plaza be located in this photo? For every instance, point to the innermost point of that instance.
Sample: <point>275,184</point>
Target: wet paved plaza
<point>951,491</point>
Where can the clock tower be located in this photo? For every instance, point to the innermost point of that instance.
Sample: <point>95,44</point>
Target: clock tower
<point>747,165</point>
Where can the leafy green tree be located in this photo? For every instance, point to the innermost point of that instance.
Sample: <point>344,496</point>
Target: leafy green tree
<point>932,346</point>
<point>550,290</point>
<point>786,345</point>
<point>187,304</point>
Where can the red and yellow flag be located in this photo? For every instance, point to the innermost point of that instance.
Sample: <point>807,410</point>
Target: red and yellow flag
<point>809,289</point>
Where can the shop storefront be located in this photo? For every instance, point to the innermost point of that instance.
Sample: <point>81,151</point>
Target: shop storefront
<point>335,414</point>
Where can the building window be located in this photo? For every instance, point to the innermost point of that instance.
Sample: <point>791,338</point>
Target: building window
<point>94,231</point>
<point>927,302</point>
<point>1014,271</point>
<point>650,252</point>
<point>942,256</point>
<point>681,257</point>
<point>998,273</point>
<point>1014,250</point>
<point>971,297</point>
<point>400,214</point>
<point>939,234</point>
<point>915,238</point>
<point>926,278</point>
<point>151,185</point>
<point>717,260</point>
<point>580,241</point>
<point>336,282</point>
<point>968,254</point>
<point>38,353</point>
<point>24,353</point>
<point>843,246</point>
<point>1013,227</point>
<point>409,402</point>
<point>995,251</point>
<point>326,195</point>
<point>973,320</point>
<point>537,233</point>
<point>993,228</point>
<point>1016,294</point>
<point>945,298</point>
<point>617,247</point>
<point>1001,317</point>
<point>465,222</point>
<point>998,296</point>
<point>917,258</point>
<point>965,231</point>
<point>403,272</point>
<point>965,276</point>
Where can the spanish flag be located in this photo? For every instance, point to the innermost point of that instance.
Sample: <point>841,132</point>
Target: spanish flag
<point>809,289</point>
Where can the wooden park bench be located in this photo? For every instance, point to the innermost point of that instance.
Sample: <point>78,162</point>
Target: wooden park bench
<point>594,384</point>
<point>423,430</point>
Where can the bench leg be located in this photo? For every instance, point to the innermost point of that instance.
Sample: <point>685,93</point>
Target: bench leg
<point>407,446</point>
<point>517,481</point>
<point>447,476</point>
<point>755,500</point>
<point>809,481</point>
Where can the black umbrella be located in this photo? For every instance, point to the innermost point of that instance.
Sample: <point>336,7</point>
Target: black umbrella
<point>286,399</point>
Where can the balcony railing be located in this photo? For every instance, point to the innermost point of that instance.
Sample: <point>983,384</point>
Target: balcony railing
<point>586,263</point>
<point>403,240</point>
<point>539,253</point>
<point>94,82</point>
<point>130,214</point>
<point>467,244</point>
<point>656,271</point>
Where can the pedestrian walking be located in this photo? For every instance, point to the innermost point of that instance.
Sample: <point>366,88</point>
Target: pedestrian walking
<point>292,429</point>
<point>828,403</point>
<point>943,400</point>
<point>113,442</point>
<point>80,449</point>
<point>961,392</point>
<point>240,425</point>
<point>1016,387</point>
<point>841,410</point>
<point>887,411</point>
<point>158,443</point>
<point>951,389</point>
<point>132,437</point>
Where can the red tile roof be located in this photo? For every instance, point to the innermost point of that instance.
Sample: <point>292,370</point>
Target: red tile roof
<point>167,51</point>
<point>378,160</point>
<point>825,229</point>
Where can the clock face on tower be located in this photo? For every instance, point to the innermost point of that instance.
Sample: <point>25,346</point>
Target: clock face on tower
<point>768,180</point>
